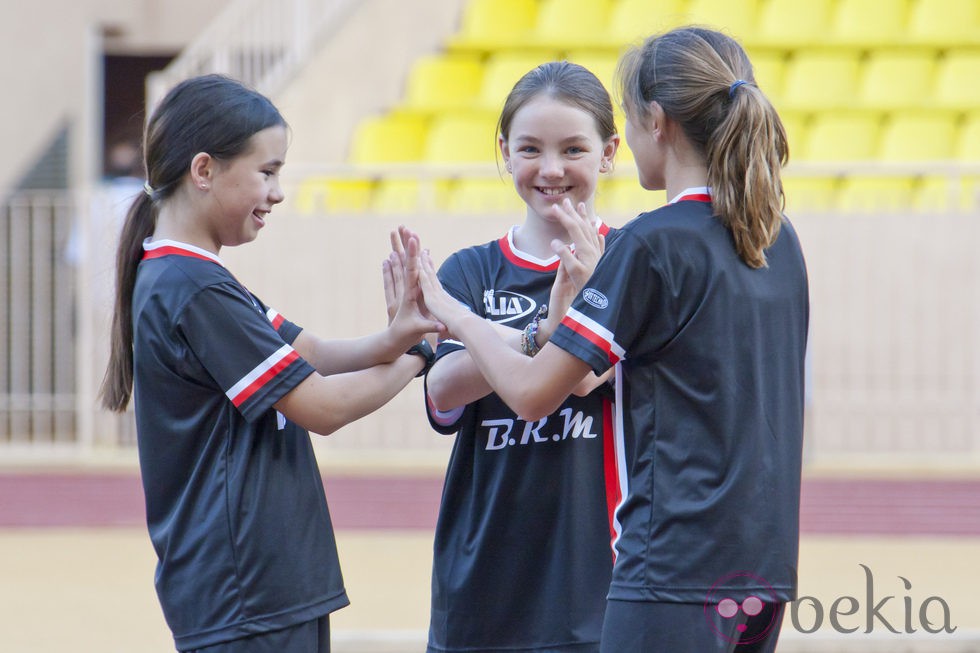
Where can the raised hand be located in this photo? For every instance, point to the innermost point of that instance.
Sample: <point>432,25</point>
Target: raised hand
<point>580,258</point>
<point>393,276</point>
<point>440,304</point>
<point>563,291</point>
<point>410,319</point>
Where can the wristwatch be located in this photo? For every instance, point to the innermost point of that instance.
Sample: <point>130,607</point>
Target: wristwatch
<point>423,349</point>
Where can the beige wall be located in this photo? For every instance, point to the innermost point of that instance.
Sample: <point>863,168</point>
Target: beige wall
<point>54,48</point>
<point>50,49</point>
<point>894,329</point>
<point>894,324</point>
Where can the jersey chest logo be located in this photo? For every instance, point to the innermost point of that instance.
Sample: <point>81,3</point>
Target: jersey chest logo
<point>504,306</point>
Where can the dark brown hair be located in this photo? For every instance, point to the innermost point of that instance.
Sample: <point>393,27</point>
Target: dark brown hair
<point>692,73</point>
<point>565,81</point>
<point>212,114</point>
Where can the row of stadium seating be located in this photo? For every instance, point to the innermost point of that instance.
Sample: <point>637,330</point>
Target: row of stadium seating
<point>836,139</point>
<point>622,195</point>
<point>868,102</point>
<point>493,25</point>
<point>843,135</point>
<point>809,79</point>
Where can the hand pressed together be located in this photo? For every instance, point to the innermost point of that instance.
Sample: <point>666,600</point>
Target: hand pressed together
<point>408,318</point>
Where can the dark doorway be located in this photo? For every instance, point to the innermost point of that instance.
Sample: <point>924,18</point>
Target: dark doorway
<point>124,103</point>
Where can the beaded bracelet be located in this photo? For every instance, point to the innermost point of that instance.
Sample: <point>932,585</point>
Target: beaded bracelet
<point>529,343</point>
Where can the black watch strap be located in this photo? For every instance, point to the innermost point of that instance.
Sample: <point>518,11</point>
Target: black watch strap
<point>423,349</point>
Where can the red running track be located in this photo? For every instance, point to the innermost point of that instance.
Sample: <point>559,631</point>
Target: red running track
<point>849,506</point>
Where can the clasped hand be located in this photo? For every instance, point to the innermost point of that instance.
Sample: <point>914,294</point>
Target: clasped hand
<point>408,318</point>
<point>411,279</point>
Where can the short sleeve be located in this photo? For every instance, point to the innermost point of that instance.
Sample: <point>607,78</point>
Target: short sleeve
<point>613,308</point>
<point>238,344</point>
<point>286,329</point>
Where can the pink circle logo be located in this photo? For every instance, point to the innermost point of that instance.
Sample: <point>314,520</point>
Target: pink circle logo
<point>719,603</point>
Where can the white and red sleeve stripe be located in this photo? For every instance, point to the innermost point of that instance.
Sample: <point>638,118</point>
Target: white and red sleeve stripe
<point>595,333</point>
<point>275,318</point>
<point>261,375</point>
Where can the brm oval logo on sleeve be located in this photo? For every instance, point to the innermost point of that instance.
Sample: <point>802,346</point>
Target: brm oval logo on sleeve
<point>595,298</point>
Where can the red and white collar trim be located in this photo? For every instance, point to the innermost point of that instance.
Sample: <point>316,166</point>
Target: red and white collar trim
<point>693,194</point>
<point>158,248</point>
<point>529,261</point>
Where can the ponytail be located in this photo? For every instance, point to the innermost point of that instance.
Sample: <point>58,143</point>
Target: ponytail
<point>744,157</point>
<point>210,113</point>
<point>703,80</point>
<point>117,385</point>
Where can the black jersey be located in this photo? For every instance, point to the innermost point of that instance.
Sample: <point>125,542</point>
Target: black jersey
<point>234,499</point>
<point>710,397</point>
<point>522,545</point>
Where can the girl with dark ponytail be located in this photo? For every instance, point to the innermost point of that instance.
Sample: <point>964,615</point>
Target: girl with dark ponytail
<point>701,306</point>
<point>225,389</point>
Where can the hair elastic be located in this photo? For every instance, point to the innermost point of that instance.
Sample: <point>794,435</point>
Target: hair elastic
<point>734,86</point>
<point>148,189</point>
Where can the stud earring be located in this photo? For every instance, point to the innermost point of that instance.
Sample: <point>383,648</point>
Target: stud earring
<point>204,186</point>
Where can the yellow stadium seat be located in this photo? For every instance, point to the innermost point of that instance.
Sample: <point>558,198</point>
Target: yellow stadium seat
<point>795,125</point>
<point>842,136</point>
<point>809,194</point>
<point>794,23</point>
<point>769,70</point>
<point>897,79</point>
<point>968,141</point>
<point>405,196</point>
<point>623,197</point>
<point>325,194</point>
<point>481,196</point>
<point>737,18</point>
<point>821,79</point>
<point>915,136</point>
<point>965,194</point>
<point>870,22</point>
<point>443,82</point>
<point>502,70</point>
<point>462,138</point>
<point>493,25</point>
<point>958,80</point>
<point>388,139</point>
<point>631,21</point>
<point>565,24</point>
<point>946,193</point>
<point>309,195</point>
<point>873,194</point>
<point>601,64</point>
<point>944,23</point>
